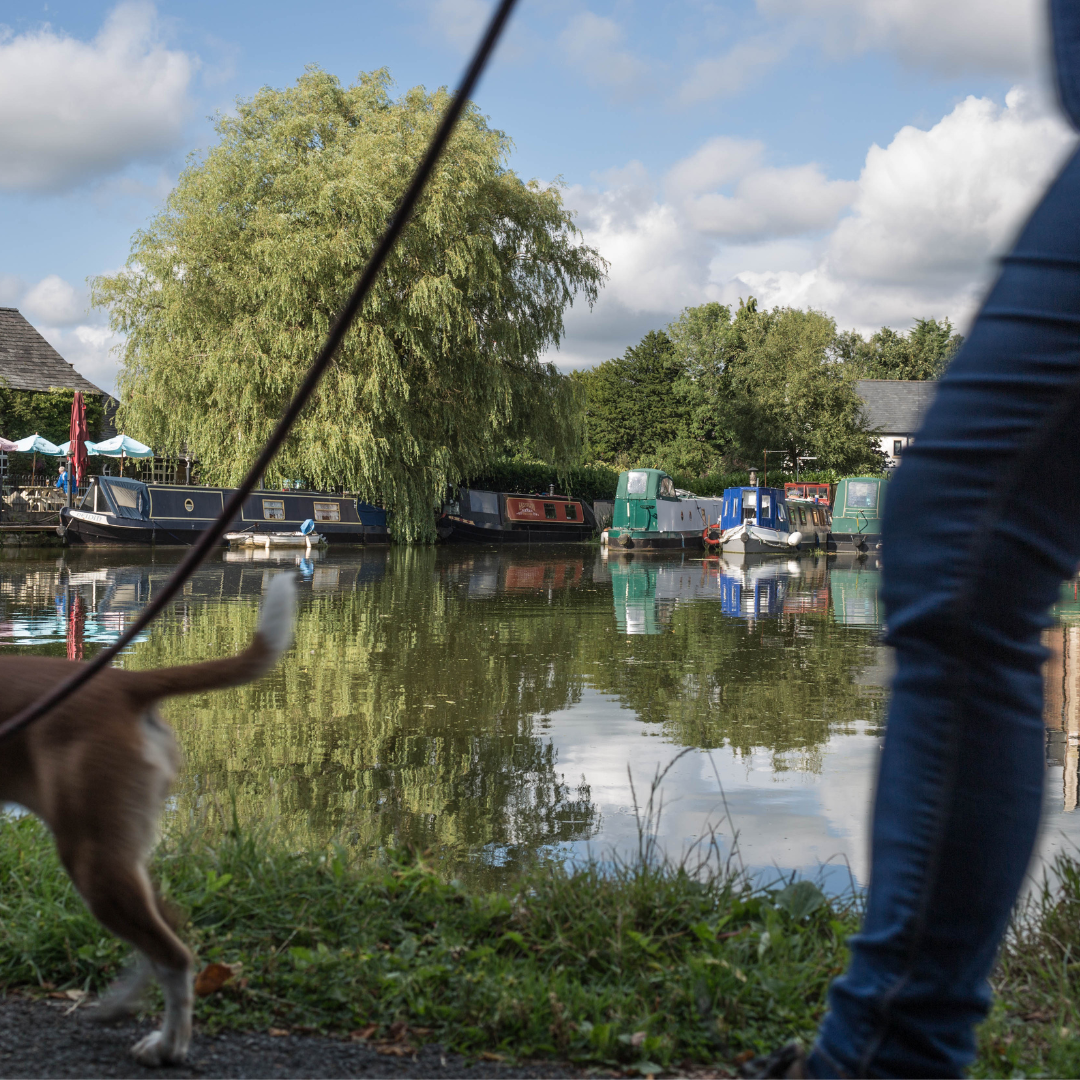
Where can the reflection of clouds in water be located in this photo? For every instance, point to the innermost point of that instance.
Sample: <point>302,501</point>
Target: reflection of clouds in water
<point>793,820</point>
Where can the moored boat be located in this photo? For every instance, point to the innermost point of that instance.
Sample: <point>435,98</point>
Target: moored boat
<point>856,514</point>
<point>752,521</point>
<point>499,517</point>
<point>116,510</point>
<point>651,513</point>
<point>812,517</point>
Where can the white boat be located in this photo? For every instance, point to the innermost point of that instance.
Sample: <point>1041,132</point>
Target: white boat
<point>748,539</point>
<point>275,540</point>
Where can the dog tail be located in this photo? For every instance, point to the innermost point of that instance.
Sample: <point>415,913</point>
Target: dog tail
<point>272,637</point>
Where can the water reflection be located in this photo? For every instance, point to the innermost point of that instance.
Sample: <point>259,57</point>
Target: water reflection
<point>486,704</point>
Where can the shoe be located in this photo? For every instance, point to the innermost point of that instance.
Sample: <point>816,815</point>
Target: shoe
<point>788,1062</point>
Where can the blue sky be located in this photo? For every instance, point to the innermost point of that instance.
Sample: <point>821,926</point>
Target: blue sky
<point>866,157</point>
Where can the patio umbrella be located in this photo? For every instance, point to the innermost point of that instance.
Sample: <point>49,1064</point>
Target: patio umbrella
<point>77,442</point>
<point>123,446</point>
<point>65,448</point>
<point>7,446</point>
<point>35,444</point>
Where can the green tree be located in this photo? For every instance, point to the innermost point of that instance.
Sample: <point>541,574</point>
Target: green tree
<point>229,292</point>
<point>631,402</point>
<point>46,413</point>
<point>922,353</point>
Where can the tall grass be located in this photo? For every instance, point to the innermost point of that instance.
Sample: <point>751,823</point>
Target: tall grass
<point>642,963</point>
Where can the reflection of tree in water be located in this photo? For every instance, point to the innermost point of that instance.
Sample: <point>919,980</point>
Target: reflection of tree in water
<point>709,678</point>
<point>408,713</point>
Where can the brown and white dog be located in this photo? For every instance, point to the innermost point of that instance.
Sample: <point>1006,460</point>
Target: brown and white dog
<point>97,770</point>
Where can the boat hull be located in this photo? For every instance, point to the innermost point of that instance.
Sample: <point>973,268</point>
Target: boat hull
<point>649,540</point>
<point>455,530</point>
<point>861,542</point>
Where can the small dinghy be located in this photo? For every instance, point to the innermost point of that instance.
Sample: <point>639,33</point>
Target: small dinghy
<point>306,538</point>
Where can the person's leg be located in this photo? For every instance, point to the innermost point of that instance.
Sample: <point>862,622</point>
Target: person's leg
<point>982,525</point>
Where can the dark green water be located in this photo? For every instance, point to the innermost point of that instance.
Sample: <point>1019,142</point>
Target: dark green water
<point>491,706</point>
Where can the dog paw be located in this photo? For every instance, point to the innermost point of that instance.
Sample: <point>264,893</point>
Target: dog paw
<point>155,1050</point>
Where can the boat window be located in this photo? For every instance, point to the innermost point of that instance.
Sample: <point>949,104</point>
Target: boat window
<point>780,513</point>
<point>637,483</point>
<point>125,496</point>
<point>327,511</point>
<point>667,487</point>
<point>862,494</point>
<point>274,509</point>
<point>766,506</point>
<point>88,499</point>
<point>549,511</point>
<point>749,498</point>
<point>571,512</point>
<point>815,516</point>
<point>484,502</point>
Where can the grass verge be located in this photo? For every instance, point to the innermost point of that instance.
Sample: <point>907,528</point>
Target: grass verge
<point>643,965</point>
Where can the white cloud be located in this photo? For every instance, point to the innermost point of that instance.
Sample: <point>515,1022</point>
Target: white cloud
<point>594,46</point>
<point>917,236</point>
<point>999,37</point>
<point>765,202</point>
<point>721,76</point>
<point>54,301</point>
<point>72,111</point>
<point>933,211</point>
<point>459,21</point>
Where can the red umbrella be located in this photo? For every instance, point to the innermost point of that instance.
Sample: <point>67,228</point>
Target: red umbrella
<point>77,435</point>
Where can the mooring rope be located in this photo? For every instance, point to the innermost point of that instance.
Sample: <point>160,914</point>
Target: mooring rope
<point>208,539</point>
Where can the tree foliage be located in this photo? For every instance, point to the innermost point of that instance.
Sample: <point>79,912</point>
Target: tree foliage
<point>229,292</point>
<point>631,406</point>
<point>922,353</point>
<point>46,413</point>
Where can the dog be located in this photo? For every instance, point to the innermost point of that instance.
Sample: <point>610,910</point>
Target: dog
<point>97,770</point>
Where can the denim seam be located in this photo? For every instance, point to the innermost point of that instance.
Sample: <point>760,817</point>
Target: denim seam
<point>963,605</point>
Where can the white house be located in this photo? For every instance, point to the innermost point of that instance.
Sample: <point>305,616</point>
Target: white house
<point>895,408</point>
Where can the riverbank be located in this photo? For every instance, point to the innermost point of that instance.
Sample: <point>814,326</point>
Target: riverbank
<point>640,968</point>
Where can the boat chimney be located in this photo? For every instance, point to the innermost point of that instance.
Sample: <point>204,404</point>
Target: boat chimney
<point>753,478</point>
<point>551,489</point>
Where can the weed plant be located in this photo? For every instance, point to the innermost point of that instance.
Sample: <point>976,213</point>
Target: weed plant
<point>642,963</point>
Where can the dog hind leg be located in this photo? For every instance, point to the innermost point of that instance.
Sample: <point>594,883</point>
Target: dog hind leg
<point>122,899</point>
<point>126,995</point>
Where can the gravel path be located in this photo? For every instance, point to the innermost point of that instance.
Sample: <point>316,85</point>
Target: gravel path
<point>48,1039</point>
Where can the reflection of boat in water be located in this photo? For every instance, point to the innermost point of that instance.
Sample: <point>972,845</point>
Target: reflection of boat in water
<point>496,517</point>
<point>853,589</point>
<point>753,521</point>
<point>651,513</point>
<point>856,514</point>
<point>277,541</point>
<point>116,510</point>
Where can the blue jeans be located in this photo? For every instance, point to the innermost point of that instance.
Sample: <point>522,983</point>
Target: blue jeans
<point>982,524</point>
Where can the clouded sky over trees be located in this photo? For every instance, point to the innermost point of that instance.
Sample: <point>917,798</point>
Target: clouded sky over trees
<point>869,159</point>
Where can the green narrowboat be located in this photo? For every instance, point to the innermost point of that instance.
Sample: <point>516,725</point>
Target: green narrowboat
<point>858,507</point>
<point>650,513</point>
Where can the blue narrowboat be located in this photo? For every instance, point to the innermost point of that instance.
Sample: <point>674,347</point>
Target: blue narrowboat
<point>753,521</point>
<point>116,510</point>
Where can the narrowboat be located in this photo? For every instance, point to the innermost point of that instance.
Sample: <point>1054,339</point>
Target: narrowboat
<point>651,513</point>
<point>819,493</point>
<point>753,521</point>
<point>498,517</point>
<point>116,510</point>
<point>812,518</point>
<point>856,514</point>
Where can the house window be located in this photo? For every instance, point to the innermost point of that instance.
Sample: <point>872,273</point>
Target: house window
<point>274,509</point>
<point>897,447</point>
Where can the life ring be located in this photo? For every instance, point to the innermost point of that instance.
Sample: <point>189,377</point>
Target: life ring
<point>710,537</point>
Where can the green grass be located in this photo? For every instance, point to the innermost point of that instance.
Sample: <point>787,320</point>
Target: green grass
<point>642,965</point>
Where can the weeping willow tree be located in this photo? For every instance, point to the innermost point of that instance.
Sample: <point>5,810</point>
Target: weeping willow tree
<point>228,293</point>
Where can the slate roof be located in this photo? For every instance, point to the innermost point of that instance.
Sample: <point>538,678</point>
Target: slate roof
<point>896,406</point>
<point>29,362</point>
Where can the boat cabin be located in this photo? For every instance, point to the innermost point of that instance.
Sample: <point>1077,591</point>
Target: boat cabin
<point>819,493</point>
<point>759,506</point>
<point>636,498</point>
<point>859,504</point>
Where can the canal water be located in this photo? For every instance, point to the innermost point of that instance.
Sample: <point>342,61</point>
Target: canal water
<point>501,707</point>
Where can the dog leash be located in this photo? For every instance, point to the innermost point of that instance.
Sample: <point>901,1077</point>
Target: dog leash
<point>338,330</point>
